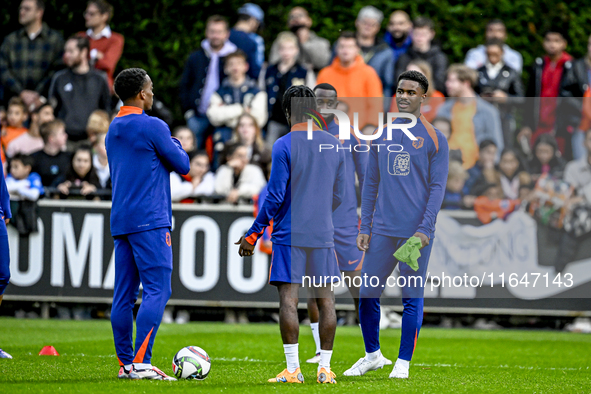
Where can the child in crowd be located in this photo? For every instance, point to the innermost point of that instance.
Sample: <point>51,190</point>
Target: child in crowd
<point>186,137</point>
<point>484,167</point>
<point>237,95</point>
<point>98,123</point>
<point>81,174</point>
<point>248,133</point>
<point>456,178</point>
<point>491,205</point>
<point>52,162</point>
<point>24,188</point>
<point>238,179</point>
<point>31,141</point>
<point>280,77</point>
<point>547,159</point>
<point>16,117</point>
<point>512,174</point>
<point>198,182</point>
<point>101,162</point>
<point>22,183</point>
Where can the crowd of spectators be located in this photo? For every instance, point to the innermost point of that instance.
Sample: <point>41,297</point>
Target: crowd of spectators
<point>510,142</point>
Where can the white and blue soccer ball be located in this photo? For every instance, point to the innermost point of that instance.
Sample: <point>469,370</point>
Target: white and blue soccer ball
<point>191,362</point>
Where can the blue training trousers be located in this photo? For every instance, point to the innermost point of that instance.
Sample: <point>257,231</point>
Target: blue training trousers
<point>4,257</point>
<point>380,262</point>
<point>144,257</point>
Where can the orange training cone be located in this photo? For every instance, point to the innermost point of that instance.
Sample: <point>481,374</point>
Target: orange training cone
<point>48,351</point>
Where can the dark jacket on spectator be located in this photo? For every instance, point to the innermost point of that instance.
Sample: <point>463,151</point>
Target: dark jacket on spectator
<point>508,81</point>
<point>26,64</point>
<point>434,56</point>
<point>581,71</point>
<point>276,85</point>
<point>52,169</point>
<point>193,79</point>
<point>76,96</point>
<point>568,111</point>
<point>91,177</point>
<point>248,46</point>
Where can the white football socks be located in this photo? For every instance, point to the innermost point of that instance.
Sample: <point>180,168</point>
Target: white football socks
<point>128,367</point>
<point>373,355</point>
<point>316,335</point>
<point>325,356</point>
<point>403,363</point>
<point>140,366</point>
<point>292,357</point>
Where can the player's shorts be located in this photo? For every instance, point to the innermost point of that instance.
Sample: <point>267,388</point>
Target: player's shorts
<point>345,244</point>
<point>290,264</point>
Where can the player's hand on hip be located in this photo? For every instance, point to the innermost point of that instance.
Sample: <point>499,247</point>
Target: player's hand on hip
<point>363,242</point>
<point>245,249</point>
<point>423,237</point>
<point>7,221</point>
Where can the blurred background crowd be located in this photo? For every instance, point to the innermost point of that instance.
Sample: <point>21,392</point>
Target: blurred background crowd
<point>518,124</point>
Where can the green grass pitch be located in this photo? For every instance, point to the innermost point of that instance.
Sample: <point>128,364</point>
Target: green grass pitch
<point>245,356</point>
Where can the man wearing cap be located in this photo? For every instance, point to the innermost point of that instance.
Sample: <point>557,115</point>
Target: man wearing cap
<point>244,36</point>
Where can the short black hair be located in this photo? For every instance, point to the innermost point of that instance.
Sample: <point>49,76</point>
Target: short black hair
<point>82,42</point>
<point>237,53</point>
<point>422,21</point>
<point>25,159</point>
<point>40,4</point>
<point>129,83</point>
<point>103,7</point>
<point>244,17</point>
<point>197,153</point>
<point>325,86</point>
<point>348,34</point>
<point>416,76</point>
<point>217,19</point>
<point>486,143</point>
<point>557,29</point>
<point>495,21</point>
<point>301,106</point>
<point>38,109</point>
<point>232,148</point>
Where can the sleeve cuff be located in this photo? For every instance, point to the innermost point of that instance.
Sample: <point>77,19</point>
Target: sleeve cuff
<point>253,238</point>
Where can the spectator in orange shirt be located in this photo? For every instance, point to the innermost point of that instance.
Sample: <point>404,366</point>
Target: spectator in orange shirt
<point>351,77</point>
<point>473,119</point>
<point>490,205</point>
<point>434,97</point>
<point>106,46</point>
<point>16,117</point>
<point>31,141</point>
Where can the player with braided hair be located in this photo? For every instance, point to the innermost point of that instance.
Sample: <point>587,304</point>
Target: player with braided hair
<point>305,187</point>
